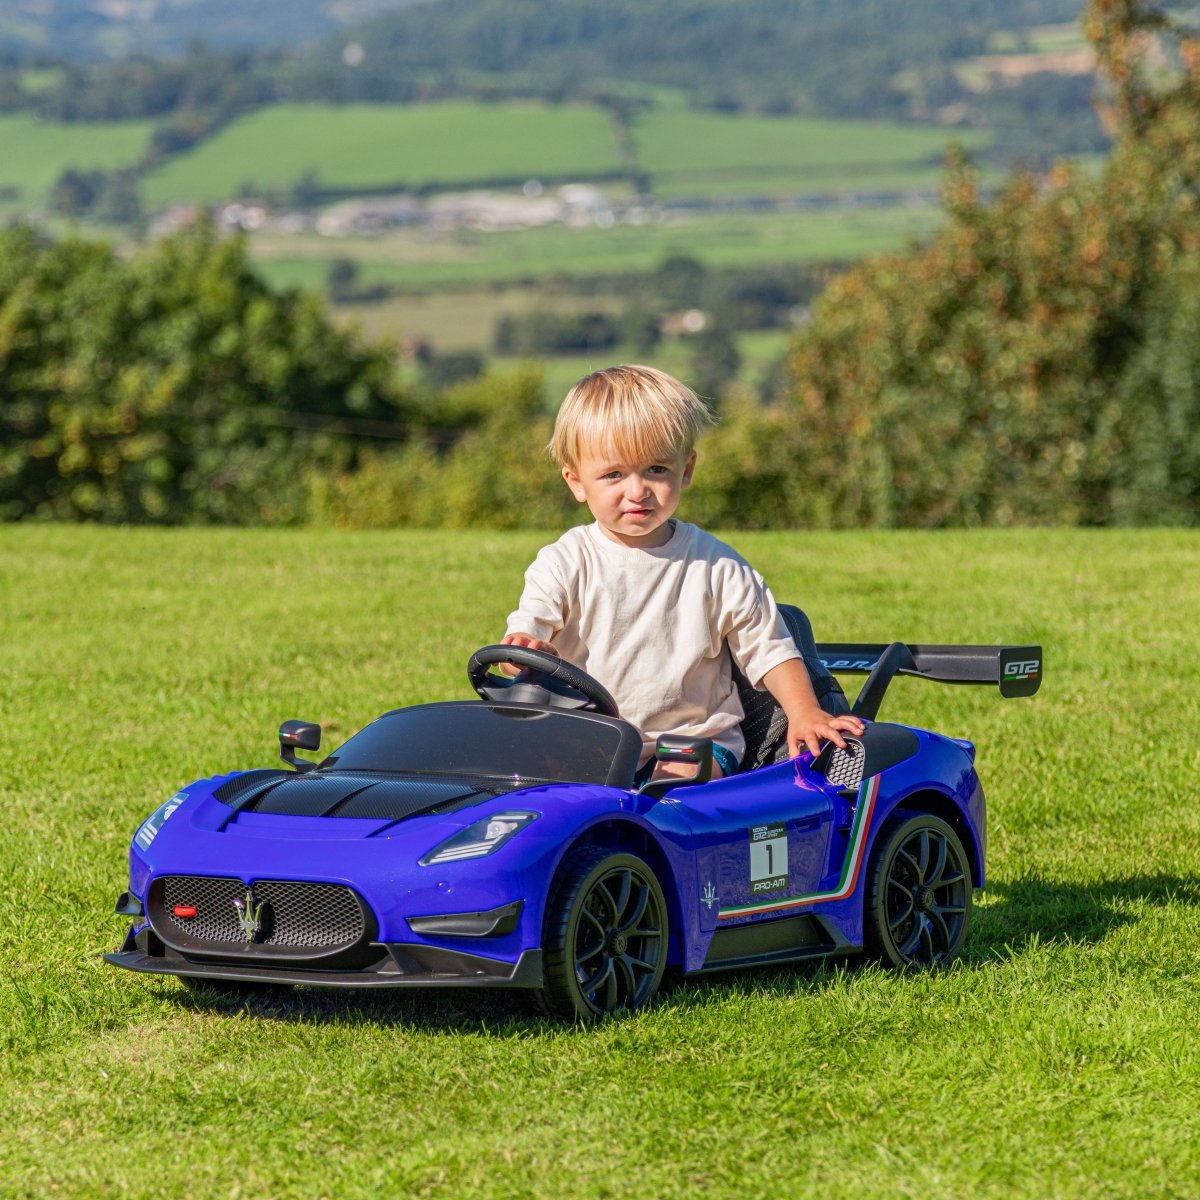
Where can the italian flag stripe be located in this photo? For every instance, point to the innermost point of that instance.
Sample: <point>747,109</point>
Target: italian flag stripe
<point>867,792</point>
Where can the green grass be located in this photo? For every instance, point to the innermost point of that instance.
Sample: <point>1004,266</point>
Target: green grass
<point>379,146</point>
<point>1061,1058</point>
<point>34,153</point>
<point>707,153</point>
<point>417,261</point>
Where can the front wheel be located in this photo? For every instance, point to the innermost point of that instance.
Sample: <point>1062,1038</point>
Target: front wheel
<point>919,895</point>
<point>605,938</point>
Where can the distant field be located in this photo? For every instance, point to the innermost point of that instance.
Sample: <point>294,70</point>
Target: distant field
<point>415,260</point>
<point>464,320</point>
<point>452,144</point>
<point>33,153</point>
<point>405,146</point>
<point>706,153</point>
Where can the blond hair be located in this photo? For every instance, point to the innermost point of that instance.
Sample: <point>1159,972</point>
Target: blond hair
<point>639,414</point>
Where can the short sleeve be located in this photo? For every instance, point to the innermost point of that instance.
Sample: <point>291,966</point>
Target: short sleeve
<point>757,635</point>
<point>541,611</point>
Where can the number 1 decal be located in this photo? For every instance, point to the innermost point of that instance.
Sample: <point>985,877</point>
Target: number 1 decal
<point>768,858</point>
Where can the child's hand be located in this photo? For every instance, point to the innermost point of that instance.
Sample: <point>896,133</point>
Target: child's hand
<point>808,728</point>
<point>530,643</point>
<point>808,722</point>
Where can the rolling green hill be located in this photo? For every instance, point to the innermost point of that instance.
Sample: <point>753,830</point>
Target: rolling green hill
<point>363,146</point>
<point>684,151</point>
<point>34,153</point>
<point>452,144</point>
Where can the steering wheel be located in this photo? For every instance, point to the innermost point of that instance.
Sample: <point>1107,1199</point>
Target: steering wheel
<point>545,679</point>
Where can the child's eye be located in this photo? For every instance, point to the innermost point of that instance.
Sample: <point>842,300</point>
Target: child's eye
<point>658,469</point>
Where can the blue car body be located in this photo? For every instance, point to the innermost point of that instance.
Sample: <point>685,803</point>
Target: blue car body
<point>504,843</point>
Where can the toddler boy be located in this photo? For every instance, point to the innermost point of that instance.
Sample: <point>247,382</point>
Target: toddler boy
<point>652,607</point>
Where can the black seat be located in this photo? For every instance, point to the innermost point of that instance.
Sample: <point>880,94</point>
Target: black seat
<point>764,725</point>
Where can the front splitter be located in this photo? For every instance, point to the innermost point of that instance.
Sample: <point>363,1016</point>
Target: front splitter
<point>406,966</point>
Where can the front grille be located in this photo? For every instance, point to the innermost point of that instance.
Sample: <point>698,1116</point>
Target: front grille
<point>295,919</point>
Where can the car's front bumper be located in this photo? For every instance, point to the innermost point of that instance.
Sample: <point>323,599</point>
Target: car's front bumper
<point>397,964</point>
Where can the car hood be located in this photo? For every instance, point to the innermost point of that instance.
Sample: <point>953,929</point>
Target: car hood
<point>354,794</point>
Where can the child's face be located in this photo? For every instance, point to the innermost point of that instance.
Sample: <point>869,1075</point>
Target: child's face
<point>631,502</point>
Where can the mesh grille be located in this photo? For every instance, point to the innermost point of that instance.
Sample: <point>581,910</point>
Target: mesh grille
<point>846,766</point>
<point>322,916</point>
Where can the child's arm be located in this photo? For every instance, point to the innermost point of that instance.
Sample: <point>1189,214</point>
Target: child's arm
<point>808,722</point>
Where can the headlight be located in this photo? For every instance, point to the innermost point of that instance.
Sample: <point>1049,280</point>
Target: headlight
<point>482,838</point>
<point>148,830</point>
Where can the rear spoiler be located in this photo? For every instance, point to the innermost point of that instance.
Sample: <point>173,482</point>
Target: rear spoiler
<point>1016,670</point>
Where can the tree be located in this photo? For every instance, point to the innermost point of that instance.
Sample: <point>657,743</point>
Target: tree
<point>1015,368</point>
<point>174,386</point>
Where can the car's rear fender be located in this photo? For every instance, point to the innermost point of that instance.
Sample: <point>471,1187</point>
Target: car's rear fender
<point>949,810</point>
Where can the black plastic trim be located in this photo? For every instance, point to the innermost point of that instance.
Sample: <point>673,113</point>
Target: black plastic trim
<point>767,941</point>
<point>402,966</point>
<point>884,745</point>
<point>349,954</point>
<point>494,922</point>
<point>625,758</point>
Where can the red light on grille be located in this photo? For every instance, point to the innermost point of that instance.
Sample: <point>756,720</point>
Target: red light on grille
<point>184,910</point>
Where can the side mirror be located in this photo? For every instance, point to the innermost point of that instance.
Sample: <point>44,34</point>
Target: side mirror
<point>671,747</point>
<point>298,735</point>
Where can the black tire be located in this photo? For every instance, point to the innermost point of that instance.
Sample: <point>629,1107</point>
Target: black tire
<point>918,904</point>
<point>605,936</point>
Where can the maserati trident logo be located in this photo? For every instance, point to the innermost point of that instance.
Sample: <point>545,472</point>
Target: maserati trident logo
<point>710,895</point>
<point>249,915</point>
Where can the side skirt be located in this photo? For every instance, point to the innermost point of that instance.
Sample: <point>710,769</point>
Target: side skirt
<point>787,939</point>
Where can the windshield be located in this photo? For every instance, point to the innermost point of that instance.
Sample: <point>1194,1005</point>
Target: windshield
<point>473,738</point>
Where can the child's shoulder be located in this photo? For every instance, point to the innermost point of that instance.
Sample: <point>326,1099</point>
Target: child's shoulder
<point>704,545</point>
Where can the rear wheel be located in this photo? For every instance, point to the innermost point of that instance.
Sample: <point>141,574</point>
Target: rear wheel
<point>919,895</point>
<point>605,938</point>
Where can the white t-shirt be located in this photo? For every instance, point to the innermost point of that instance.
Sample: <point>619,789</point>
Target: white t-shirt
<point>652,625</point>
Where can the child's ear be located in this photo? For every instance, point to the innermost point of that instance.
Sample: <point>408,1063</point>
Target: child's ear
<point>688,468</point>
<point>574,483</point>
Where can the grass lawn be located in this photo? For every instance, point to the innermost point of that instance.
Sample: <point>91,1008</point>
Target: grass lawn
<point>382,145</point>
<point>34,153</point>
<point>1060,1058</point>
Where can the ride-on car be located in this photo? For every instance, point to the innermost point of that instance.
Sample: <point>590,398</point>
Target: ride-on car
<point>503,842</point>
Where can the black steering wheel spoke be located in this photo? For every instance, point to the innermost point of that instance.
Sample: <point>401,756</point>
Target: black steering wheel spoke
<point>543,679</point>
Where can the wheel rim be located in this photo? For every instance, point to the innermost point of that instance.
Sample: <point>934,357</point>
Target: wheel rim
<point>618,941</point>
<point>925,897</point>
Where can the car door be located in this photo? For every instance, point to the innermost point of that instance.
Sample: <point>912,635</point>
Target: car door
<point>760,839</point>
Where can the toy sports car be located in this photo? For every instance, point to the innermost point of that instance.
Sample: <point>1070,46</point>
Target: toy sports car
<point>502,842</point>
